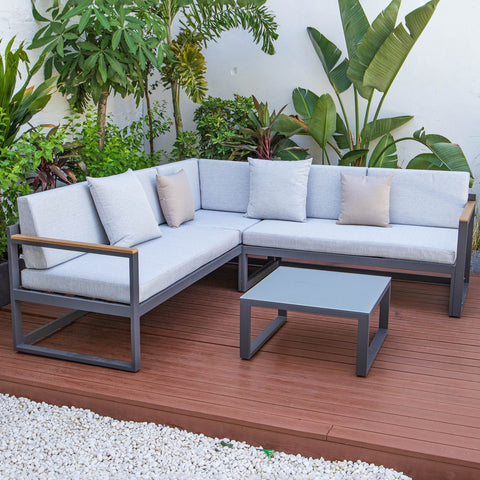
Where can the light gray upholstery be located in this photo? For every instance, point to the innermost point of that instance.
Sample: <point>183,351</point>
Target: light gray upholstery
<point>407,242</point>
<point>224,185</point>
<point>324,193</point>
<point>426,197</point>
<point>218,219</point>
<point>162,262</point>
<point>147,177</point>
<point>67,213</point>
<point>191,169</point>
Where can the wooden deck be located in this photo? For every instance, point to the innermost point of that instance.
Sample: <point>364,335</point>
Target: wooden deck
<point>418,410</point>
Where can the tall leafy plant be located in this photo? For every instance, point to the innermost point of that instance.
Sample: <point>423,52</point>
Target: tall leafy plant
<point>203,21</point>
<point>18,105</point>
<point>261,139</point>
<point>376,53</point>
<point>99,47</point>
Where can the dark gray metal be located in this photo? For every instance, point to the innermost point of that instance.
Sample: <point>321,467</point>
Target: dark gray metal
<point>80,306</point>
<point>293,289</point>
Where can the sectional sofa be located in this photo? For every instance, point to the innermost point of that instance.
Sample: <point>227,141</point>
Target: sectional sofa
<point>95,249</point>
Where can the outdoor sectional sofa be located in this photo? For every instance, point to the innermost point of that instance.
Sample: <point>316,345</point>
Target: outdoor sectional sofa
<point>69,261</point>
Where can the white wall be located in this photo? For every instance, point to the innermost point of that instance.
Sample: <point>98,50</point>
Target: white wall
<point>438,83</point>
<point>16,20</point>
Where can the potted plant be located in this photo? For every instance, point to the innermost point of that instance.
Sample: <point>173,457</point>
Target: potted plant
<point>17,107</point>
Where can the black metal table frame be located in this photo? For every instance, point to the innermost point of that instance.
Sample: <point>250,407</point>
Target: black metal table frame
<point>366,351</point>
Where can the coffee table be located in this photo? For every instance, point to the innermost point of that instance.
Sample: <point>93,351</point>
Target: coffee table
<point>337,294</point>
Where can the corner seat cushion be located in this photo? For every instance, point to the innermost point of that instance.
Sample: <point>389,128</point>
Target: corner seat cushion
<point>406,242</point>
<point>217,219</point>
<point>162,262</point>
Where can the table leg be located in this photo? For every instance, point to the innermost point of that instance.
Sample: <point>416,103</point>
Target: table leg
<point>366,353</point>
<point>249,348</point>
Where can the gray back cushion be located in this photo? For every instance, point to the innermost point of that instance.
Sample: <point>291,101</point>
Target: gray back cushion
<point>426,197</point>
<point>224,184</point>
<point>66,213</point>
<point>324,193</point>
<point>147,177</point>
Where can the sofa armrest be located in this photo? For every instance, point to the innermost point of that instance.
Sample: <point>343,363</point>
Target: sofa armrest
<point>73,245</point>
<point>468,212</point>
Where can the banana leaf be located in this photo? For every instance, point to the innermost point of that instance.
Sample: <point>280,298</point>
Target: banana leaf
<point>383,157</point>
<point>390,57</point>
<point>341,135</point>
<point>383,126</point>
<point>304,102</point>
<point>350,157</point>
<point>289,125</point>
<point>355,24</point>
<point>329,54</point>
<point>323,123</point>
<point>371,42</point>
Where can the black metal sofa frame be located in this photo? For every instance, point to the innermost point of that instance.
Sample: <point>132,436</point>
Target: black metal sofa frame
<point>457,275</point>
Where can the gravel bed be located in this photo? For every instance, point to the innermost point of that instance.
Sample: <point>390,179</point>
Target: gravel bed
<point>40,441</point>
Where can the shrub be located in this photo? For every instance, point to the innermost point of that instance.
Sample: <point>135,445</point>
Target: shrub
<point>124,147</point>
<point>218,120</point>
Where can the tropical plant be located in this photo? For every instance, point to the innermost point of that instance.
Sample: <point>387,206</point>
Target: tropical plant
<point>185,146</point>
<point>54,156</point>
<point>123,148</point>
<point>218,121</point>
<point>376,53</point>
<point>99,47</point>
<point>16,161</point>
<point>203,21</point>
<point>261,139</point>
<point>19,106</point>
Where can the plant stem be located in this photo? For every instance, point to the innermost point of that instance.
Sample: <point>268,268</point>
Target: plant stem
<point>357,119</point>
<point>337,150</point>
<point>365,142</point>
<point>149,114</point>
<point>102,118</point>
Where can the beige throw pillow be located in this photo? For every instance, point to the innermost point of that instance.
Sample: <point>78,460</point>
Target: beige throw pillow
<point>175,198</point>
<point>365,200</point>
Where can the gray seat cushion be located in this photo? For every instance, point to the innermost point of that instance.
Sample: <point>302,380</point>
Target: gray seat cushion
<point>218,219</point>
<point>162,262</point>
<point>407,242</point>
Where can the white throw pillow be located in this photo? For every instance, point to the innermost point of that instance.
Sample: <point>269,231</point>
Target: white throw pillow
<point>278,189</point>
<point>365,200</point>
<point>123,208</point>
<point>175,198</point>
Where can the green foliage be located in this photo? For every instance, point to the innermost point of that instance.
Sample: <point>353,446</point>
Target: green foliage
<point>99,46</point>
<point>263,138</point>
<point>218,121</point>
<point>201,22</point>
<point>376,52</point>
<point>185,146</point>
<point>15,164</point>
<point>55,156</point>
<point>19,106</point>
<point>124,147</point>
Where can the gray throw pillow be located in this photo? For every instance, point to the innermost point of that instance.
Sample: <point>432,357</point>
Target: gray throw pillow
<point>365,200</point>
<point>175,198</point>
<point>278,189</point>
<point>123,208</point>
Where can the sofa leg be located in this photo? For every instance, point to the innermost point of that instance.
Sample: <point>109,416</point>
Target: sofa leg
<point>242,272</point>
<point>26,343</point>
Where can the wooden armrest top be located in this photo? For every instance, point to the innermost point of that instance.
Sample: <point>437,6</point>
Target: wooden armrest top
<point>467,211</point>
<point>71,243</point>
